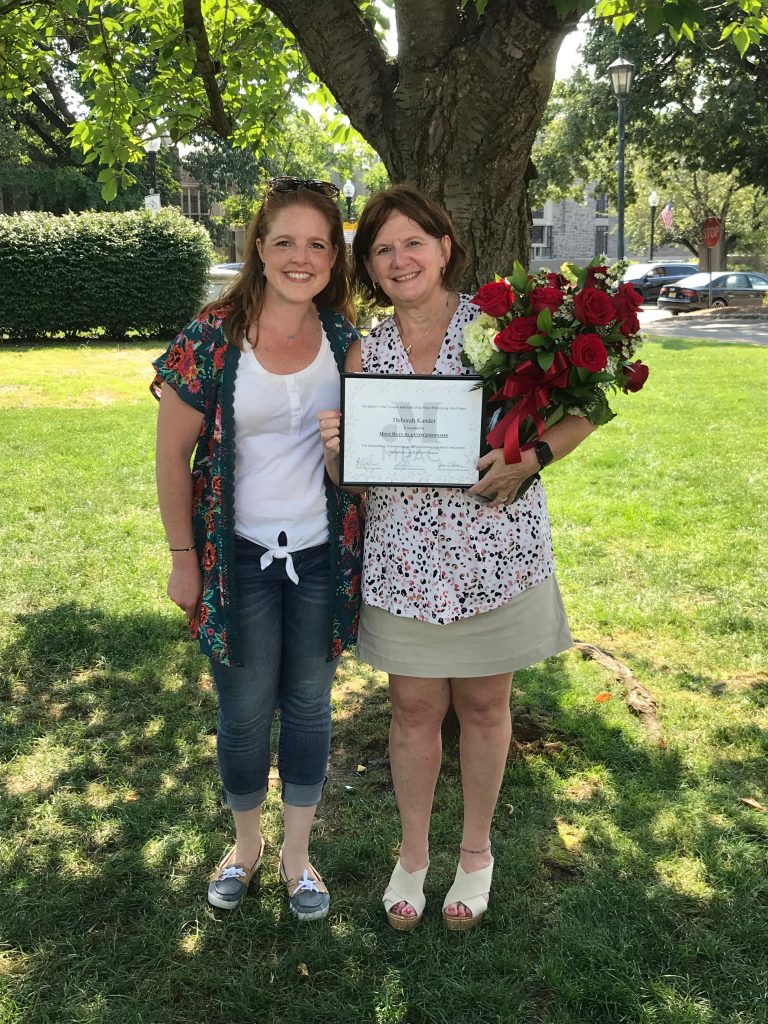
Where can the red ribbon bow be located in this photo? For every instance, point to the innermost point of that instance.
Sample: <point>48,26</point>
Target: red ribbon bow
<point>532,386</point>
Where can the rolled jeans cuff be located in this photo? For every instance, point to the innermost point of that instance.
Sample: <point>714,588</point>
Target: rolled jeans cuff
<point>245,801</point>
<point>302,796</point>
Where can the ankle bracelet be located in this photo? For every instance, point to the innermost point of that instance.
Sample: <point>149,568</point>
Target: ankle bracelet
<point>485,849</point>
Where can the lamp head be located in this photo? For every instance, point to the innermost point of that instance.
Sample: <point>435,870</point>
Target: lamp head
<point>622,75</point>
<point>348,189</point>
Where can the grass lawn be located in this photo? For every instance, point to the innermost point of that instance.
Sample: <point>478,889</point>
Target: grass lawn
<point>631,880</point>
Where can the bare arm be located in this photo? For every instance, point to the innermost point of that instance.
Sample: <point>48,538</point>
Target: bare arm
<point>178,427</point>
<point>330,422</point>
<point>504,480</point>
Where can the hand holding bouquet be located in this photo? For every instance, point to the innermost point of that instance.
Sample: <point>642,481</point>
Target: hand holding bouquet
<point>549,345</point>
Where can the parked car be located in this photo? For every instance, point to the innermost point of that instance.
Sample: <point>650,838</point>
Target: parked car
<point>728,289</point>
<point>219,276</point>
<point>650,278</point>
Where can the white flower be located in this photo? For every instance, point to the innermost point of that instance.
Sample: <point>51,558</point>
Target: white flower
<point>478,342</point>
<point>576,410</point>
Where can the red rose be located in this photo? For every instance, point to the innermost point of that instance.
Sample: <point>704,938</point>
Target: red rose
<point>588,351</point>
<point>590,281</point>
<point>546,298</point>
<point>594,307</point>
<point>514,337</point>
<point>630,325</point>
<point>556,280</point>
<point>636,374</point>
<point>626,301</point>
<point>495,298</point>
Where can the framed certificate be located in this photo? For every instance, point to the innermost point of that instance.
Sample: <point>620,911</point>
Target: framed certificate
<point>410,430</point>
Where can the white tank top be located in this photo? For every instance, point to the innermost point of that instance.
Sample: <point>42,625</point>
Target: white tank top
<point>279,470</point>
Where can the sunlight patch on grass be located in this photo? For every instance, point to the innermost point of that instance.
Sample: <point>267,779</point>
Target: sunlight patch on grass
<point>688,875</point>
<point>39,770</point>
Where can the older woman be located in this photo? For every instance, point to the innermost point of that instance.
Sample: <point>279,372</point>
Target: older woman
<point>458,587</point>
<point>265,550</point>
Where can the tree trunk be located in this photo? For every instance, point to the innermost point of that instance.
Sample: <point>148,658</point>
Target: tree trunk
<point>458,112</point>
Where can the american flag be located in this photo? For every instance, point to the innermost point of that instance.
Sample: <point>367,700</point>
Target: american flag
<point>666,216</point>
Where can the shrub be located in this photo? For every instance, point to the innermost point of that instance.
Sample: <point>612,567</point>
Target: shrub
<point>139,271</point>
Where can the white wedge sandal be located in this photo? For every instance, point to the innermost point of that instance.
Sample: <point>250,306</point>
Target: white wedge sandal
<point>405,887</point>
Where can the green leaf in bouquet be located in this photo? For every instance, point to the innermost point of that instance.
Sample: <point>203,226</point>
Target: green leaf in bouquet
<point>545,359</point>
<point>544,320</point>
<point>600,378</point>
<point>498,361</point>
<point>597,409</point>
<point>465,360</point>
<point>554,416</point>
<point>582,374</point>
<point>519,277</point>
<point>536,340</point>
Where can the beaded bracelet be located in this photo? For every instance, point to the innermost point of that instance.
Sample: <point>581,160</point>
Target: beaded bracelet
<point>182,549</point>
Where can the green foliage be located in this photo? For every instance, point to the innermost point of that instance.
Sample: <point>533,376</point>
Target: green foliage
<point>118,272</point>
<point>136,66</point>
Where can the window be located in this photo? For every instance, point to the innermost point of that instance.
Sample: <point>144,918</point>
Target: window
<point>601,238</point>
<point>538,214</point>
<point>191,201</point>
<point>736,281</point>
<point>601,203</point>
<point>541,239</point>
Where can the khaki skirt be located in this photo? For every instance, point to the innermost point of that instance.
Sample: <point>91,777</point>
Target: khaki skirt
<point>530,627</point>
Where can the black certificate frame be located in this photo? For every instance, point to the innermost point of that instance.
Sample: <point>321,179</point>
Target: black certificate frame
<point>411,381</point>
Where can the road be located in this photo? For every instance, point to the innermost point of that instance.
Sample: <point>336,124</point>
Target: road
<point>661,322</point>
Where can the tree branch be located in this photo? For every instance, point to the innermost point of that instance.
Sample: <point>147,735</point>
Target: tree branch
<point>49,113</point>
<point>63,154</point>
<point>58,99</point>
<point>343,51</point>
<point>194,28</point>
<point>426,31</point>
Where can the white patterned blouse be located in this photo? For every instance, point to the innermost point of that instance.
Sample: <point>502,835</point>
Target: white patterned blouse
<point>436,554</point>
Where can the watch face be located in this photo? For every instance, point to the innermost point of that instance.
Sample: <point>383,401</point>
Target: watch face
<point>543,453</point>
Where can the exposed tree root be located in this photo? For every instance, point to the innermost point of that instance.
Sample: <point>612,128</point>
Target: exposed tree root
<point>640,700</point>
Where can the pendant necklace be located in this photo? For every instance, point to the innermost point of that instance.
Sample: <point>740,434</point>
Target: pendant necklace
<point>407,348</point>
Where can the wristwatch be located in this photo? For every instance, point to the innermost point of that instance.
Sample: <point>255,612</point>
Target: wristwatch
<point>543,453</point>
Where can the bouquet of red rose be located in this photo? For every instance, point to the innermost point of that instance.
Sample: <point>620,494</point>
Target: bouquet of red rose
<point>549,345</point>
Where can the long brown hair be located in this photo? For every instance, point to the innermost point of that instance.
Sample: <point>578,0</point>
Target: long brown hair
<point>242,302</point>
<point>417,207</point>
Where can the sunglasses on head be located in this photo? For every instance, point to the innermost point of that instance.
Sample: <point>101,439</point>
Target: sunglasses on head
<point>324,188</point>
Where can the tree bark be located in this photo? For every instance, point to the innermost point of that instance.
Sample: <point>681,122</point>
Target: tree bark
<point>194,27</point>
<point>456,114</point>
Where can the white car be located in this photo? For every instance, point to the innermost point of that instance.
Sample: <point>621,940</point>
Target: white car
<point>220,276</point>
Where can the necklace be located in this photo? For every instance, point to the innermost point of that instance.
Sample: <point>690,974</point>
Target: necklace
<point>399,326</point>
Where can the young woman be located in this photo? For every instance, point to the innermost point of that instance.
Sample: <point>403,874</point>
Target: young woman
<point>265,550</point>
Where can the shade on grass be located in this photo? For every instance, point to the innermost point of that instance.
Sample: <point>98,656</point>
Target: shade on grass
<point>631,880</point>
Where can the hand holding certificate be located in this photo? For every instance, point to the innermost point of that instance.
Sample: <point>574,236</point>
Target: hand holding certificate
<point>410,430</point>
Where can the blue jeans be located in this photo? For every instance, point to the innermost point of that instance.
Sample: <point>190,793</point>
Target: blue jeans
<point>285,629</point>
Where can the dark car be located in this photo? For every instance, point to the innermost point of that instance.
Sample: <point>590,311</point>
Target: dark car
<point>728,289</point>
<point>650,278</point>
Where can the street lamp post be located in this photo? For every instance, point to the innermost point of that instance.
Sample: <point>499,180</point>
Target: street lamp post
<point>653,202</point>
<point>152,147</point>
<point>348,191</point>
<point>622,73</point>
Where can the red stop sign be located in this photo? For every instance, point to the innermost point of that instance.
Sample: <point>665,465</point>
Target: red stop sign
<point>710,232</point>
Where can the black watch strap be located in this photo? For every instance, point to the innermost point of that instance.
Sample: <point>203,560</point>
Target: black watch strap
<point>543,453</point>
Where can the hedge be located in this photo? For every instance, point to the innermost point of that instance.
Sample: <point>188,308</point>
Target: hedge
<point>138,271</point>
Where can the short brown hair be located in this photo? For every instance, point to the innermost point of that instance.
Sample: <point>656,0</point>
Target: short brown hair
<point>427,214</point>
<point>243,300</point>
